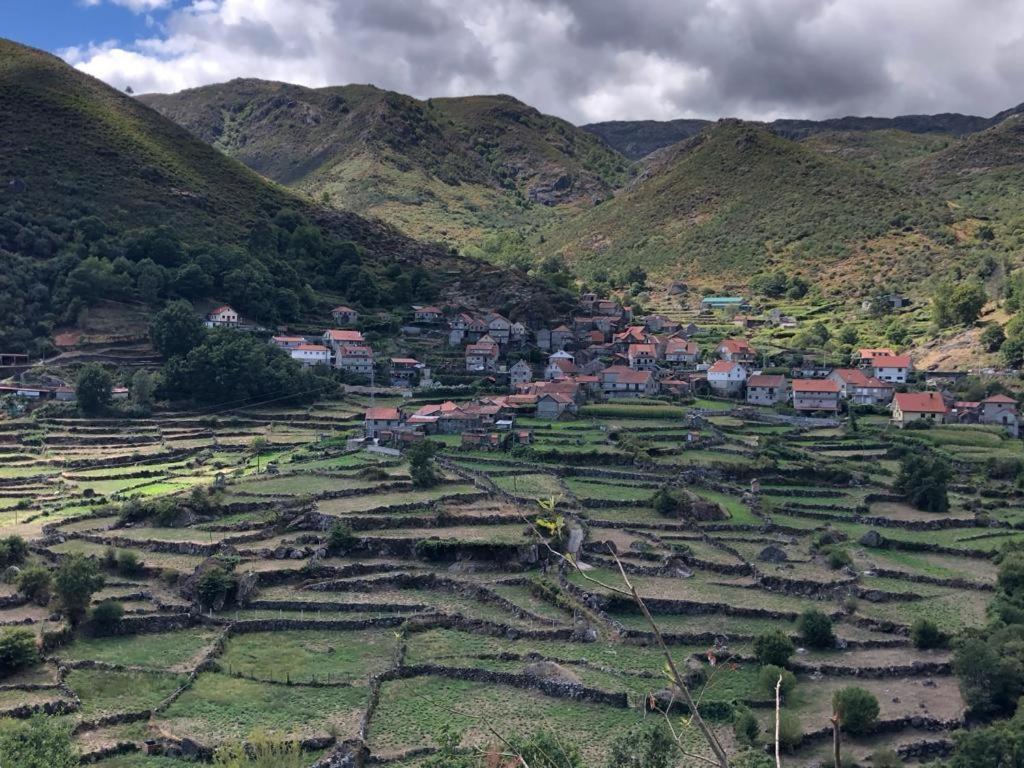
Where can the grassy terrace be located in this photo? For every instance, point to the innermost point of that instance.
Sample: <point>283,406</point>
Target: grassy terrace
<point>313,680</point>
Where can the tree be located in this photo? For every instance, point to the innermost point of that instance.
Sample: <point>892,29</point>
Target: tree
<point>648,746</point>
<point>39,742</point>
<point>816,629</point>
<point>35,583</point>
<point>957,305</point>
<point>745,727</point>
<point>94,389</point>
<point>106,617</point>
<point>77,579</point>
<point>992,337</point>
<point>340,537</point>
<point>925,634</point>
<point>13,551</point>
<point>212,587</point>
<point>923,481</point>
<point>773,648</point>
<point>768,677</point>
<point>18,651</point>
<point>998,746</point>
<point>142,391</point>
<point>176,329</point>
<point>1013,348</point>
<point>421,464</point>
<point>856,708</point>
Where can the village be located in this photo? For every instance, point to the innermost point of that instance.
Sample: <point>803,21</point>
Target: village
<point>605,353</point>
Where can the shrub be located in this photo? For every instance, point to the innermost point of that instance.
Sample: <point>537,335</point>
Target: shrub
<point>13,551</point>
<point>926,634</point>
<point>544,749</point>
<point>94,388</point>
<point>745,726</point>
<point>838,558</point>
<point>128,563</point>
<point>340,537</point>
<point>77,579</point>
<point>856,708</point>
<point>18,651</point>
<point>768,677</point>
<point>791,733</point>
<point>260,750</point>
<point>39,742</point>
<point>773,648</point>
<point>106,617</point>
<point>643,747</point>
<point>212,587</point>
<point>816,629</point>
<point>885,758</point>
<point>35,583</point>
<point>923,482</point>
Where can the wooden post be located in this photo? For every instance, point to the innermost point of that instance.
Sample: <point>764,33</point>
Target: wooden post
<point>778,708</point>
<point>836,739</point>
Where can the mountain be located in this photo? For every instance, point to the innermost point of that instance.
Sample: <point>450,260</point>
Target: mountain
<point>737,199</point>
<point>103,198</point>
<point>452,169</point>
<point>638,138</point>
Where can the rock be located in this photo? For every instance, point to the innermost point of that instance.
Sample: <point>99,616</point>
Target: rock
<point>827,538</point>
<point>871,539</point>
<point>873,595</point>
<point>695,674</point>
<point>17,186</point>
<point>297,554</point>
<point>549,670</point>
<point>772,554</point>
<point>248,585</point>
<point>281,553</point>
<point>576,536</point>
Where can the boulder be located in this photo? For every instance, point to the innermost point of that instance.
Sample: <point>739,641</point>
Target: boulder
<point>248,585</point>
<point>772,554</point>
<point>549,670</point>
<point>871,539</point>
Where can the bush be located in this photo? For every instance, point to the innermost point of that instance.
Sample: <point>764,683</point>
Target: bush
<point>128,563</point>
<point>998,746</point>
<point>18,651</point>
<point>39,742</point>
<point>260,750</point>
<point>838,558</point>
<point>340,537</point>
<point>885,758</point>
<point>106,617</point>
<point>992,338</point>
<point>643,747</point>
<point>923,482</point>
<point>745,726</point>
<point>856,708</point>
<point>13,551</point>
<point>212,588</point>
<point>35,583</point>
<point>768,677</point>
<point>926,634</point>
<point>816,629</point>
<point>77,578</point>
<point>94,389</point>
<point>791,733</point>
<point>773,648</point>
<point>545,749</point>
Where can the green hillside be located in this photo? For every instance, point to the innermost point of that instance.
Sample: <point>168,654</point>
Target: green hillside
<point>453,170</point>
<point>737,199</point>
<point>104,199</point>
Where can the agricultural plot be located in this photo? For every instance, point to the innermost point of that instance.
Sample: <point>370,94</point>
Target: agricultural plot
<point>377,610</point>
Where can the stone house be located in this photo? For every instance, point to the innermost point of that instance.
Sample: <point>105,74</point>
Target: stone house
<point>1001,410</point>
<point>377,420</point>
<point>815,395</point>
<point>856,386</point>
<point>767,390</point>
<point>520,373</point>
<point>736,351</point>
<point>345,315</point>
<point>621,381</point>
<point>355,358</point>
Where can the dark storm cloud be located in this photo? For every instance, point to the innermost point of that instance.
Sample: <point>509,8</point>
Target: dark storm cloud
<point>605,59</point>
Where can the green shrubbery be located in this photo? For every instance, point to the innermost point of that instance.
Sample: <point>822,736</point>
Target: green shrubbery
<point>815,628</point>
<point>18,651</point>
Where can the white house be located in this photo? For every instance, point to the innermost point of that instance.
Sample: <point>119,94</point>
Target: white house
<point>1001,410</point>
<point>915,406</point>
<point>892,368</point>
<point>642,357</point>
<point>681,351</point>
<point>726,378</point>
<point>337,338</point>
<point>311,354</point>
<point>287,342</point>
<point>222,316</point>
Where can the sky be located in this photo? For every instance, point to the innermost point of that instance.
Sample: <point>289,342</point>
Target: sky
<point>584,60</point>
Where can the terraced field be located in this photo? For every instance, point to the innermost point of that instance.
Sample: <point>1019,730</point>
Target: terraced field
<point>368,609</point>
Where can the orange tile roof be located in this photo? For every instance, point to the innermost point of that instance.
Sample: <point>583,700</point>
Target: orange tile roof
<point>765,380</point>
<point>382,414</point>
<point>824,386</point>
<point>920,402</point>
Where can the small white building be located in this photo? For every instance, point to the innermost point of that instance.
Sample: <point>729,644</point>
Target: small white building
<point>310,354</point>
<point>222,316</point>
<point>726,378</point>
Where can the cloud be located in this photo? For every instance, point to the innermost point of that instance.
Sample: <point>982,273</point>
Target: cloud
<point>135,6</point>
<point>592,60</point>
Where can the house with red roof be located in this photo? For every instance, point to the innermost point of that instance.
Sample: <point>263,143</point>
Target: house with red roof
<point>311,354</point>
<point>559,368</point>
<point>335,338</point>
<point>767,389</point>
<point>377,420</point>
<point>427,314</point>
<point>405,371</point>
<point>622,381</point>
<point>482,355</point>
<point>815,395</point>
<point>222,317</point>
<point>1001,410</point>
<point>858,387</point>
<point>726,378</point>
<point>891,368</point>
<point>345,315</point>
<point>642,357</point>
<point>354,358</point>
<point>908,407</point>
<point>681,351</point>
<point>287,342</point>
<point>736,351</point>
<point>865,356</point>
